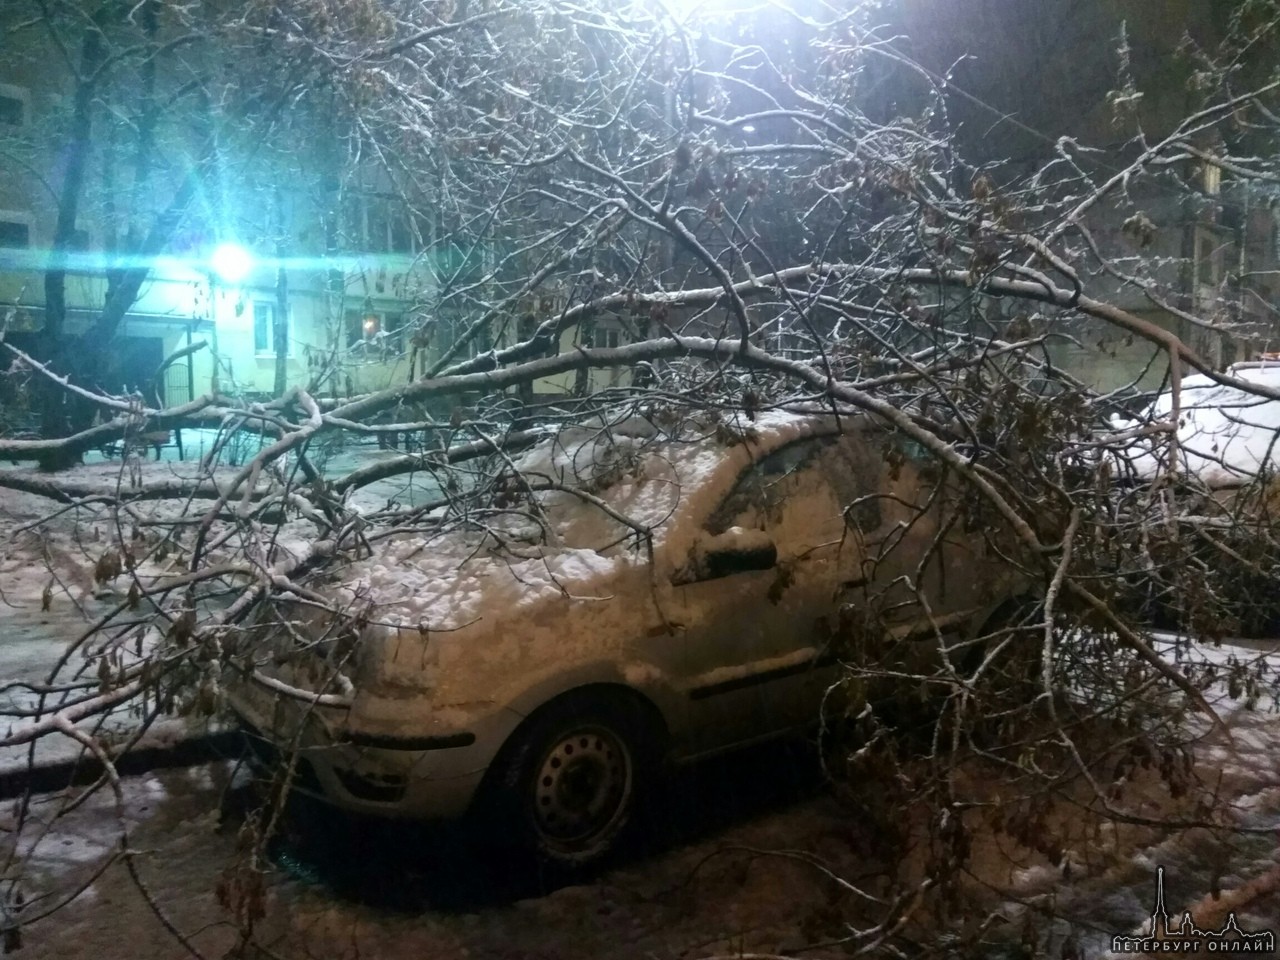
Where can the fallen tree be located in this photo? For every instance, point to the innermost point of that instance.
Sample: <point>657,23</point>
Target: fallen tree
<point>764,237</point>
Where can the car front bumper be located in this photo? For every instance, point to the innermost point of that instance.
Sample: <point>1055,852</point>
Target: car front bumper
<point>433,776</point>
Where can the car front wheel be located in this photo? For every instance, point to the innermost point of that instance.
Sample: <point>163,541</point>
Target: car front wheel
<point>565,788</point>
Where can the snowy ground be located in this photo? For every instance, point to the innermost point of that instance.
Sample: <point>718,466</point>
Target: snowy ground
<point>49,597</point>
<point>727,874</point>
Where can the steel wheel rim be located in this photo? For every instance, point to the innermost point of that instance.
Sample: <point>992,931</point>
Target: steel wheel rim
<point>582,786</point>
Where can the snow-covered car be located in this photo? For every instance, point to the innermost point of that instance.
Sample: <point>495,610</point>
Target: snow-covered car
<point>1221,522</point>
<point>1226,436</point>
<point>628,600</point>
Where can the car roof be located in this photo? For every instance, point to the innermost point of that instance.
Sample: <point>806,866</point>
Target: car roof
<point>652,474</point>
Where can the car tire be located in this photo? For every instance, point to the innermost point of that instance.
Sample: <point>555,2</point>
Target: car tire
<point>566,787</point>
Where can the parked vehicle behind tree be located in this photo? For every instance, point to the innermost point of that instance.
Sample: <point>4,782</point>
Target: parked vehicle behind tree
<point>1212,482</point>
<point>627,596</point>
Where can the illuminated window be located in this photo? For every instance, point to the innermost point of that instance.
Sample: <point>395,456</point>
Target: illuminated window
<point>1212,179</point>
<point>373,333</point>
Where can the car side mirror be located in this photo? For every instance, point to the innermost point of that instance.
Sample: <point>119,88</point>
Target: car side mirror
<point>734,551</point>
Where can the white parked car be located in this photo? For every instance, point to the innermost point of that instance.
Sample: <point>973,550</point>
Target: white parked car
<point>1220,523</point>
<point>654,600</point>
<point>1226,436</point>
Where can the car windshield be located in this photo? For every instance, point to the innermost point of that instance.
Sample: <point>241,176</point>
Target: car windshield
<point>599,490</point>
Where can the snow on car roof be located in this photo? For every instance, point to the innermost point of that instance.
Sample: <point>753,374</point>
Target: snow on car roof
<point>1225,435</point>
<point>452,579</point>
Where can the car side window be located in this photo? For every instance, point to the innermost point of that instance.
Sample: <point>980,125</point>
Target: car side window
<point>857,470</point>
<point>756,500</point>
<point>898,448</point>
<point>908,476</point>
<point>910,448</point>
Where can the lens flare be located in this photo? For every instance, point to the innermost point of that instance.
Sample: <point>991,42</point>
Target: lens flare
<point>231,262</point>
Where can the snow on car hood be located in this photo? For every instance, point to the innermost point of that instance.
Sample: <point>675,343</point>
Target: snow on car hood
<point>461,594</point>
<point>1225,435</point>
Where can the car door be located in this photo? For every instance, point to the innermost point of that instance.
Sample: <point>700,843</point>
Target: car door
<point>925,572</point>
<point>756,610</point>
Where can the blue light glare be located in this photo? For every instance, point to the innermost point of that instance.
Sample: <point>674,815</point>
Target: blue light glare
<point>231,262</point>
<point>186,268</point>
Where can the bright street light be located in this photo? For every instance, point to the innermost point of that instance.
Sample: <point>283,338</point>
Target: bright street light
<point>231,262</point>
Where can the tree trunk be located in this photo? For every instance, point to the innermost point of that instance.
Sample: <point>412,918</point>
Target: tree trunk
<point>52,402</point>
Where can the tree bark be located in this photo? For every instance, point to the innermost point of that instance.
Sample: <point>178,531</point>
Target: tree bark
<point>53,348</point>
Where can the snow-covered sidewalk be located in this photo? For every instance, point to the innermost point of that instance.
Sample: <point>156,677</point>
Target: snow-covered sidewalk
<point>32,644</point>
<point>51,594</point>
<point>1225,860</point>
<point>49,599</point>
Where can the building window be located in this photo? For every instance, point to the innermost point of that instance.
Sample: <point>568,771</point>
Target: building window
<point>15,234</point>
<point>1208,261</point>
<point>264,329</point>
<point>1212,179</point>
<point>374,334</point>
<point>12,111</point>
<point>13,106</point>
<point>607,337</point>
<point>379,223</point>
